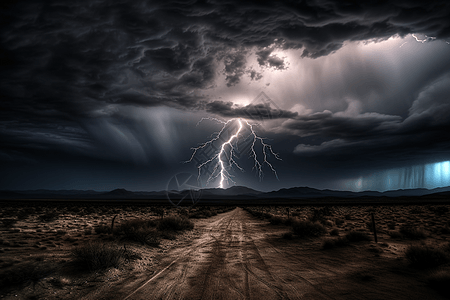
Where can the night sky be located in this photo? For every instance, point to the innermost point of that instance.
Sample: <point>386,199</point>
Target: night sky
<point>108,94</point>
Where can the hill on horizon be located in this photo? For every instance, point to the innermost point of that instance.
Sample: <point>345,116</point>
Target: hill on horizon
<point>235,192</point>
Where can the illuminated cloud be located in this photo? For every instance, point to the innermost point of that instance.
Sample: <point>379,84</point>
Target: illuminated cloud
<point>79,80</point>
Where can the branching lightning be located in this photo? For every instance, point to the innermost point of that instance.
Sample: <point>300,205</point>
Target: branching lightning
<point>426,39</point>
<point>224,158</point>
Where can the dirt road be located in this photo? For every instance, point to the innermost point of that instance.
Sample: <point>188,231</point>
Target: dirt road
<point>240,257</point>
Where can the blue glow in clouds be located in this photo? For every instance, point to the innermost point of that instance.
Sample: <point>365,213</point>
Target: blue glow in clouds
<point>428,176</point>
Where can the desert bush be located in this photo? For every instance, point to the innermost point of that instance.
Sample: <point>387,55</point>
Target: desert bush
<point>23,214</point>
<point>338,222</point>
<point>175,223</point>
<point>98,256</point>
<point>333,243</point>
<point>287,236</point>
<point>9,222</point>
<point>289,221</point>
<point>275,220</point>
<point>28,272</point>
<point>308,229</point>
<point>49,216</point>
<point>416,210</point>
<point>319,215</point>
<point>102,229</point>
<point>412,233</point>
<point>139,230</point>
<point>441,210</point>
<point>159,211</point>
<point>167,234</point>
<point>445,230</point>
<point>183,212</point>
<point>440,281</point>
<point>266,215</point>
<point>391,225</point>
<point>334,232</point>
<point>425,257</point>
<point>60,281</point>
<point>357,236</point>
<point>447,247</point>
<point>395,234</point>
<point>61,231</point>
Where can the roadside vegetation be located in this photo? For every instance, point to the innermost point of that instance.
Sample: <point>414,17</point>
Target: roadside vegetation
<point>89,239</point>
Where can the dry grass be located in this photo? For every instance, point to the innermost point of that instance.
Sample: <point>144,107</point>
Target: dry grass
<point>18,273</point>
<point>357,236</point>
<point>412,233</point>
<point>308,229</point>
<point>99,256</point>
<point>423,257</point>
<point>440,281</point>
<point>175,223</point>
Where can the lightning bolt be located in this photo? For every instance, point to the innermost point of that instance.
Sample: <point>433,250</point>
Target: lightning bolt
<point>224,159</point>
<point>426,39</point>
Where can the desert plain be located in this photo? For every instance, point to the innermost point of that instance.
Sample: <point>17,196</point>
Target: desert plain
<point>82,250</point>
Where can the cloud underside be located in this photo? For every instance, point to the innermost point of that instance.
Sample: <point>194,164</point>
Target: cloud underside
<point>251,111</point>
<point>372,137</point>
<point>61,56</point>
<point>67,65</point>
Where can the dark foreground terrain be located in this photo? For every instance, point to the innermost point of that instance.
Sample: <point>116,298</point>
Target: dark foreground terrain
<point>245,253</point>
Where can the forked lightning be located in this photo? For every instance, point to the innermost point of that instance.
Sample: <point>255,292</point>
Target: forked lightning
<point>225,158</point>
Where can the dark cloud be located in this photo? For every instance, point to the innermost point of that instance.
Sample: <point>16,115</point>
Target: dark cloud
<point>267,59</point>
<point>74,74</point>
<point>235,64</point>
<point>381,139</point>
<point>155,53</point>
<point>252,111</point>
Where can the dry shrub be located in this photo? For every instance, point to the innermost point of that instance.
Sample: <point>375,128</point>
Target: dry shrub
<point>102,229</point>
<point>60,282</point>
<point>395,235</point>
<point>139,230</point>
<point>333,243</point>
<point>308,229</point>
<point>425,257</point>
<point>357,236</point>
<point>412,233</point>
<point>99,256</point>
<point>287,235</point>
<point>295,214</point>
<point>27,272</point>
<point>175,223</point>
<point>49,216</point>
<point>9,222</point>
<point>338,221</point>
<point>440,281</point>
<point>275,220</point>
<point>334,232</point>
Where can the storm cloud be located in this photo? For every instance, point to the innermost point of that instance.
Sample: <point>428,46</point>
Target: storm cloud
<point>81,79</point>
<point>371,137</point>
<point>251,111</point>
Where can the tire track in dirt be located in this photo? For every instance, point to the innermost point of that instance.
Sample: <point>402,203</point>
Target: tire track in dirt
<point>316,267</point>
<point>240,257</point>
<point>187,255</point>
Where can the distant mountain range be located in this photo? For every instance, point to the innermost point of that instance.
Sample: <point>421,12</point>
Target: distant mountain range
<point>234,193</point>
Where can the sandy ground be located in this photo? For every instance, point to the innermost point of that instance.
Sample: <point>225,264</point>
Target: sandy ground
<point>229,256</point>
<point>240,257</point>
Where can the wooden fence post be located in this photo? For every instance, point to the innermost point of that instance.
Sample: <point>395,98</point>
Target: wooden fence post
<point>374,228</point>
